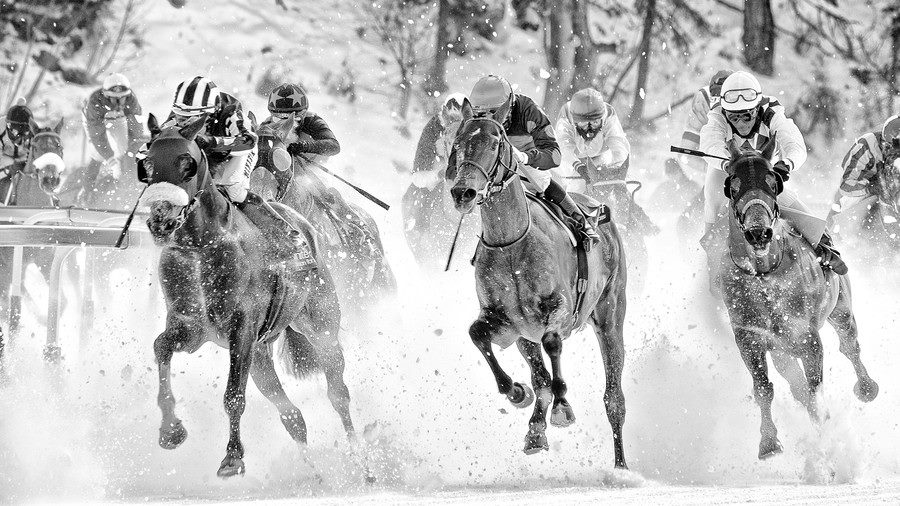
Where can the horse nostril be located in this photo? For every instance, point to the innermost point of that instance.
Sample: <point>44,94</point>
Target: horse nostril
<point>462,194</point>
<point>767,235</point>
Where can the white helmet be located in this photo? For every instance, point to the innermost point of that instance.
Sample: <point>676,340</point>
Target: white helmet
<point>891,128</point>
<point>196,96</point>
<point>740,92</point>
<point>116,86</point>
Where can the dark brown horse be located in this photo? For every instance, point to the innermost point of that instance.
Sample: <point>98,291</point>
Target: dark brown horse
<point>352,249</point>
<point>777,294</point>
<point>34,185</point>
<point>239,284</point>
<point>526,276</point>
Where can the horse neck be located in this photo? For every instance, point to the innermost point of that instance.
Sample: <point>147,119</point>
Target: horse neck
<point>211,219</point>
<point>742,253</point>
<point>505,216</point>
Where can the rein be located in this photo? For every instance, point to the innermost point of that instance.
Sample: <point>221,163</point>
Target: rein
<point>739,215</point>
<point>195,199</point>
<point>491,187</point>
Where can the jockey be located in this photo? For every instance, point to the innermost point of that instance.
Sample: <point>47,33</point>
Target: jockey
<point>15,140</point>
<point>534,144</point>
<point>704,99</point>
<point>863,163</point>
<point>594,145</point>
<point>436,142</point>
<point>230,148</point>
<point>311,140</point>
<point>113,102</point>
<point>750,118</point>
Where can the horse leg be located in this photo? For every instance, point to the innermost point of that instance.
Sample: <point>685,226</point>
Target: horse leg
<point>481,332</point>
<point>240,345</point>
<point>561,415</point>
<point>171,431</point>
<point>536,439</point>
<point>262,370</point>
<point>608,320</point>
<point>754,355</point>
<point>844,323</point>
<point>789,368</point>
<point>813,360</point>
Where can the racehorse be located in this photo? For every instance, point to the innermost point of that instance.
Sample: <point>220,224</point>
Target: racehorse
<point>34,185</point>
<point>526,272</point>
<point>226,280</point>
<point>777,294</point>
<point>365,273</point>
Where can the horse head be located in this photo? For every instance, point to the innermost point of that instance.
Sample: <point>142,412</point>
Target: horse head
<point>888,178</point>
<point>47,157</point>
<point>176,171</point>
<point>482,150</point>
<point>273,155</point>
<point>752,189</point>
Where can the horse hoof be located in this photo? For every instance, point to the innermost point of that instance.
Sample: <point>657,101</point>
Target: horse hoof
<point>769,447</point>
<point>866,391</point>
<point>524,399</point>
<point>535,442</point>
<point>562,415</point>
<point>172,437</point>
<point>231,466</point>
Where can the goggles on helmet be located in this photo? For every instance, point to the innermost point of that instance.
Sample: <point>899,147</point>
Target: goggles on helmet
<point>733,96</point>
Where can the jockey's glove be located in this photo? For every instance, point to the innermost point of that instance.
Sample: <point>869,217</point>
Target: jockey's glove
<point>298,148</point>
<point>204,142</point>
<point>582,170</point>
<point>520,156</point>
<point>782,169</point>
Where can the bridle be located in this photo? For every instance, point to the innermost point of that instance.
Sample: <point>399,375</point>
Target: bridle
<point>491,187</point>
<point>281,188</point>
<point>30,170</point>
<point>772,212</point>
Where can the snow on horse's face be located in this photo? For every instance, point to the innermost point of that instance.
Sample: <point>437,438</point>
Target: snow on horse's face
<point>171,171</point>
<point>46,149</point>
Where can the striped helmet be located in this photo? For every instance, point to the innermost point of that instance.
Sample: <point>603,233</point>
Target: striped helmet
<point>287,98</point>
<point>196,96</point>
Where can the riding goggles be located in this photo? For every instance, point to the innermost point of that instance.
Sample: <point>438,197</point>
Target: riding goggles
<point>733,96</point>
<point>590,124</point>
<point>743,116</point>
<point>298,115</point>
<point>117,91</point>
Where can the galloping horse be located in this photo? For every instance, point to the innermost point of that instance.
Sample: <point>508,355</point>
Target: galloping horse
<point>526,273</point>
<point>35,185</point>
<point>777,294</point>
<point>365,274</point>
<point>226,280</point>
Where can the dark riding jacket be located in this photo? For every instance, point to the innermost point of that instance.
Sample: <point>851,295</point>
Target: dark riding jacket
<point>311,135</point>
<point>531,132</point>
<point>11,154</point>
<point>98,111</point>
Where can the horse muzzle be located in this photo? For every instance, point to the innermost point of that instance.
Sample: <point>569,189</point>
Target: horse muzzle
<point>464,198</point>
<point>50,181</point>
<point>165,218</point>
<point>759,238</point>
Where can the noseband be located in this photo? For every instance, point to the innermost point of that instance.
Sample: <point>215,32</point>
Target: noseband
<point>491,187</point>
<point>740,215</point>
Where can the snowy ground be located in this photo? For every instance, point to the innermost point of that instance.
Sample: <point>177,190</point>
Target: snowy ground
<point>432,427</point>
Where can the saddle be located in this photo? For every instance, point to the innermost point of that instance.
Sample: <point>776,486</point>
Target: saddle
<point>597,214</point>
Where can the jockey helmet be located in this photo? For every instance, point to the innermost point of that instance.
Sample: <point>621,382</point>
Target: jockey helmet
<point>451,109</point>
<point>18,122</point>
<point>116,86</point>
<point>288,98</point>
<point>196,96</point>
<point>715,82</point>
<point>588,112</point>
<point>492,94</point>
<point>890,132</point>
<point>741,92</point>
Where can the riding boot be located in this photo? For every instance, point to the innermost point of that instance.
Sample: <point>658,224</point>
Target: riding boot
<point>258,209</point>
<point>829,257</point>
<point>558,195</point>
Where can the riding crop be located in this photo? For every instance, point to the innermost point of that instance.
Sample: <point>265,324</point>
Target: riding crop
<point>130,217</point>
<point>694,152</point>
<point>362,192</point>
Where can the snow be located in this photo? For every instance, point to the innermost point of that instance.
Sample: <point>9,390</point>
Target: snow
<point>432,426</point>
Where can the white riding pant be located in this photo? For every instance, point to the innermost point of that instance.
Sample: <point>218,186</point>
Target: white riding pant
<point>233,175</point>
<point>538,180</point>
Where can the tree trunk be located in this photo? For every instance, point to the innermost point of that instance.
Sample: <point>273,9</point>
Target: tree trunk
<point>893,86</point>
<point>559,52</point>
<point>759,36</point>
<point>586,52</point>
<point>435,80</point>
<point>643,72</point>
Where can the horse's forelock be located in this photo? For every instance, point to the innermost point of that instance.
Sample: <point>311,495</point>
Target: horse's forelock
<point>752,171</point>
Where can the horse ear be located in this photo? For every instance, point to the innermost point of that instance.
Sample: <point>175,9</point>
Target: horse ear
<point>768,148</point>
<point>501,113</point>
<point>193,128</point>
<point>467,111</point>
<point>152,125</point>
<point>254,125</point>
<point>286,126</point>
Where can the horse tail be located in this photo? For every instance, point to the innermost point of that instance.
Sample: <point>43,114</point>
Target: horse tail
<point>298,356</point>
